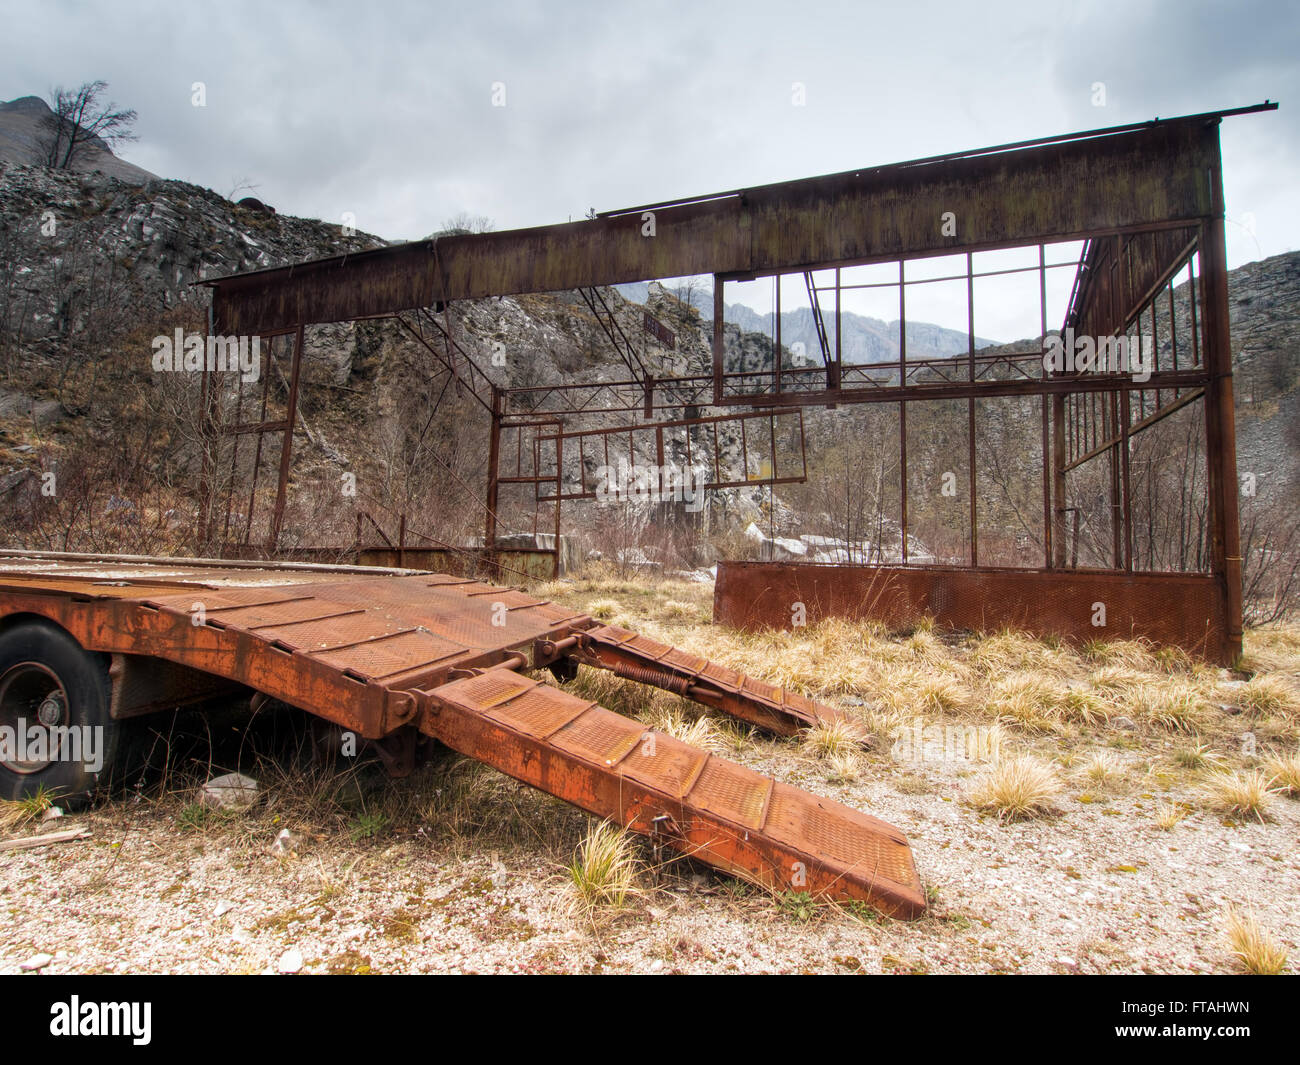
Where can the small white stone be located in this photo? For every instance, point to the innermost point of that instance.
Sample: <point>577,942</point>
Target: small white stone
<point>657,967</point>
<point>284,844</point>
<point>232,791</point>
<point>290,961</point>
<point>36,962</point>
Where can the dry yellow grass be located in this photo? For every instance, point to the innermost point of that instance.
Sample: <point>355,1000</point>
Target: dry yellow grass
<point>923,643</point>
<point>830,739</point>
<point>1246,794</point>
<point>1016,788</point>
<point>1276,647</point>
<point>1041,686</point>
<point>1283,771</point>
<point>843,768</point>
<point>604,871</point>
<point>700,732</point>
<point>1175,660</point>
<point>1198,756</point>
<point>1131,654</point>
<point>1169,815</point>
<point>1270,695</point>
<point>1082,707</point>
<point>1174,704</point>
<point>1256,951</point>
<point>20,812</point>
<point>1115,679</point>
<point>676,610</point>
<point>1102,769</point>
<point>1028,700</point>
<point>1009,651</point>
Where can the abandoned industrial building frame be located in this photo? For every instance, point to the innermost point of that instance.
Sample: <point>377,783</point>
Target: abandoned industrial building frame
<point>1145,204</point>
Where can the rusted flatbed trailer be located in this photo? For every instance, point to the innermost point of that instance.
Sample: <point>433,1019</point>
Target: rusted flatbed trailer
<point>398,655</point>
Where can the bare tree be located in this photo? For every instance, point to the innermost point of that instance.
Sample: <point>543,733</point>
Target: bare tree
<point>78,119</point>
<point>242,185</point>
<point>463,222</point>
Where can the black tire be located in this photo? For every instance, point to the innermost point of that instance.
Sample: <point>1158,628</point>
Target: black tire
<point>47,679</point>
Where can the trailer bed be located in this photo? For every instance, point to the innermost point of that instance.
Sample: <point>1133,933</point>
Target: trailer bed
<point>395,654</point>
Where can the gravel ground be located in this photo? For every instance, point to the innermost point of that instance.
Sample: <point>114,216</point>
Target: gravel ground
<point>1098,888</point>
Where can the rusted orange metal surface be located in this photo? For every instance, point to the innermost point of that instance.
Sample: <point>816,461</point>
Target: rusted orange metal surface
<point>391,653</point>
<point>724,814</point>
<point>1183,609</point>
<point>643,659</point>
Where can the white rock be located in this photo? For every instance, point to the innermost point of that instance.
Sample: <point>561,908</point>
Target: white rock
<point>230,792</point>
<point>657,967</point>
<point>284,843</point>
<point>36,962</point>
<point>222,907</point>
<point>290,961</point>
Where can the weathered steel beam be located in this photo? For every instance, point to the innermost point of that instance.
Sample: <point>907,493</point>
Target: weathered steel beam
<point>1057,191</point>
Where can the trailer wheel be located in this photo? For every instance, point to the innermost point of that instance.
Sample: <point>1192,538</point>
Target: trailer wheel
<point>56,734</point>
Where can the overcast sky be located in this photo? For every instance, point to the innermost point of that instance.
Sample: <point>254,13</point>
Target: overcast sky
<point>385,109</point>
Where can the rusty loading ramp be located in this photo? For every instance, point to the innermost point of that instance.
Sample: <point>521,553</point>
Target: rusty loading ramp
<point>390,652</point>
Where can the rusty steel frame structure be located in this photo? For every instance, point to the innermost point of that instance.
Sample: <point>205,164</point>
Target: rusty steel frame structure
<point>1146,201</point>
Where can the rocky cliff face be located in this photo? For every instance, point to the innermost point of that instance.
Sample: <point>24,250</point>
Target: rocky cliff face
<point>1264,311</point>
<point>63,233</point>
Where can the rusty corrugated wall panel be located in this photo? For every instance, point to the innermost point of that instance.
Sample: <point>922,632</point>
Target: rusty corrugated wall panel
<point>1183,609</point>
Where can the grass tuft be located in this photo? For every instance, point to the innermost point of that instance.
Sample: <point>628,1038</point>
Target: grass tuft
<point>1198,756</point>
<point>1270,695</point>
<point>1256,951</point>
<point>604,871</point>
<point>1284,773</point>
<point>17,812</point>
<point>700,732</point>
<point>1176,706</point>
<point>1169,815</point>
<point>1246,794</point>
<point>1017,788</point>
<point>1103,769</point>
<point>843,768</point>
<point>830,739</point>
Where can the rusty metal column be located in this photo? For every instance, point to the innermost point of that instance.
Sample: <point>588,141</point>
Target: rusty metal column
<point>1058,479</point>
<point>902,406</point>
<point>286,445</point>
<point>494,459</point>
<point>559,495</point>
<point>719,348</point>
<point>970,409</point>
<point>1045,404</point>
<point>208,413</point>
<point>1220,417</point>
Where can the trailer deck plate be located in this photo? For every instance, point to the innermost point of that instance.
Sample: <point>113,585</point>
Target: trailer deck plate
<point>386,651</point>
